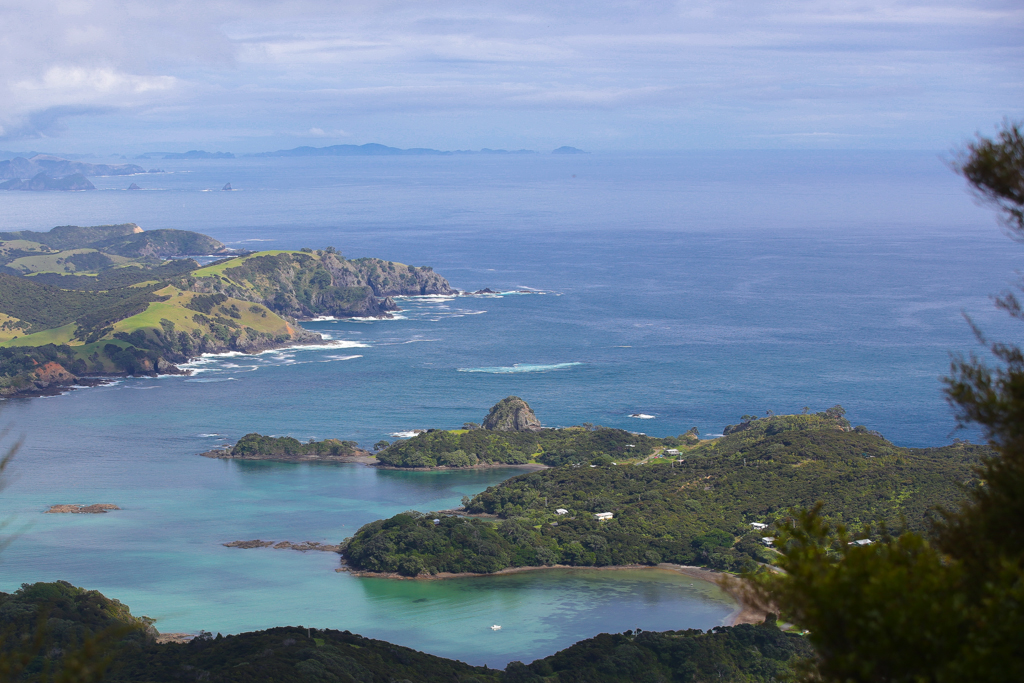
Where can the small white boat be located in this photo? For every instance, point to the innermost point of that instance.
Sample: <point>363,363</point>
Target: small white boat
<point>495,628</point>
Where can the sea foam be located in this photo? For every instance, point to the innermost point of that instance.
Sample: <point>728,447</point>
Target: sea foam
<point>520,367</point>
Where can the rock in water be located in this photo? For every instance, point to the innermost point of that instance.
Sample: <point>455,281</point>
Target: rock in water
<point>133,186</point>
<point>511,414</point>
<point>227,187</point>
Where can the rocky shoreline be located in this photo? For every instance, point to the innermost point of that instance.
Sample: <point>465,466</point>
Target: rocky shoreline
<point>284,545</point>
<point>53,379</point>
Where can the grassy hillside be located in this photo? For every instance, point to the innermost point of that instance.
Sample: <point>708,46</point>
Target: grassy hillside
<point>697,511</point>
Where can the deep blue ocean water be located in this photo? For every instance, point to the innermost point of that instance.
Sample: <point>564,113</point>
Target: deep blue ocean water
<point>692,287</point>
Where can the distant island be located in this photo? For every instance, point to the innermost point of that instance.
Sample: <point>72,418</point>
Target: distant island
<point>43,172</point>
<point>115,299</point>
<point>714,503</point>
<point>568,150</point>
<point>374,149</point>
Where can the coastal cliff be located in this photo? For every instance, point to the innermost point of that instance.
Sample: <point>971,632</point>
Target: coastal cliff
<point>308,284</point>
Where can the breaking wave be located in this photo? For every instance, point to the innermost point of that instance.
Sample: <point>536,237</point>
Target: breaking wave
<point>520,367</point>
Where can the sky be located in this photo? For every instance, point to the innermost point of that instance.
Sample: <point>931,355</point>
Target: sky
<point>253,75</point>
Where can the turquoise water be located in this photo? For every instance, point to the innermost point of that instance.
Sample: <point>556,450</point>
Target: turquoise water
<point>694,288</point>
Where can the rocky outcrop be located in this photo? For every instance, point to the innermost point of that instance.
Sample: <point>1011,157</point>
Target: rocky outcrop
<point>511,414</point>
<point>43,380</point>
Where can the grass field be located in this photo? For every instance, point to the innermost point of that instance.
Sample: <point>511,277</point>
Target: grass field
<point>219,268</point>
<point>56,335</point>
<point>175,311</point>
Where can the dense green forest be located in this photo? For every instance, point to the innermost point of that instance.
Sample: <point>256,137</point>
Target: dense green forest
<point>695,511</point>
<point>63,617</point>
<point>44,307</point>
<point>466,447</point>
<point>253,445</point>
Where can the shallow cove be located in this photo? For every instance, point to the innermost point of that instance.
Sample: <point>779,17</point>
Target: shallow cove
<point>162,553</point>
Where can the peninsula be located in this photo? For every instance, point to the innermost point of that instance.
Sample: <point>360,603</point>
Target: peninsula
<point>708,503</point>
<point>116,299</point>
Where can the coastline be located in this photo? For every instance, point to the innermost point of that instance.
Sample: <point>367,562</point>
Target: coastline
<point>361,457</point>
<point>745,613</point>
<point>164,368</point>
<point>527,466</point>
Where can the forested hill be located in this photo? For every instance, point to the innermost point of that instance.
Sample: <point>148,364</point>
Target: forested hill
<point>694,508</point>
<point>294,654</point>
<point>118,299</point>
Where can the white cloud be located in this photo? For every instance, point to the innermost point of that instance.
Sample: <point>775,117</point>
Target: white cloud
<point>75,82</point>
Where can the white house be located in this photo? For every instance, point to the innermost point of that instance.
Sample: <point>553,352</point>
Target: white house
<point>602,516</point>
<point>863,541</point>
<point>672,451</point>
<point>561,511</point>
<point>768,540</point>
<point>758,525</point>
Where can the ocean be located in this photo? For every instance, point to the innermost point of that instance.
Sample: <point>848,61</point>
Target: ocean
<point>690,287</point>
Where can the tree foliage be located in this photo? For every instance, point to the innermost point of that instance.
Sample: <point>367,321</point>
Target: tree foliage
<point>269,446</point>
<point>947,605</point>
<point>461,448</point>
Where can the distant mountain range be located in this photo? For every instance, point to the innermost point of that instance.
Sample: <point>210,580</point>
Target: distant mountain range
<point>374,149</point>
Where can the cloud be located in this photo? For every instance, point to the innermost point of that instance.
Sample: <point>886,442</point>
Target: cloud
<point>264,68</point>
<point>47,122</point>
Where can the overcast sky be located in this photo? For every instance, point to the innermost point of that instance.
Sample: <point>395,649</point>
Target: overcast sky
<point>130,76</point>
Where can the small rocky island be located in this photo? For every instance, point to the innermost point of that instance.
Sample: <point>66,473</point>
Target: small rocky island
<point>75,509</point>
<point>287,449</point>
